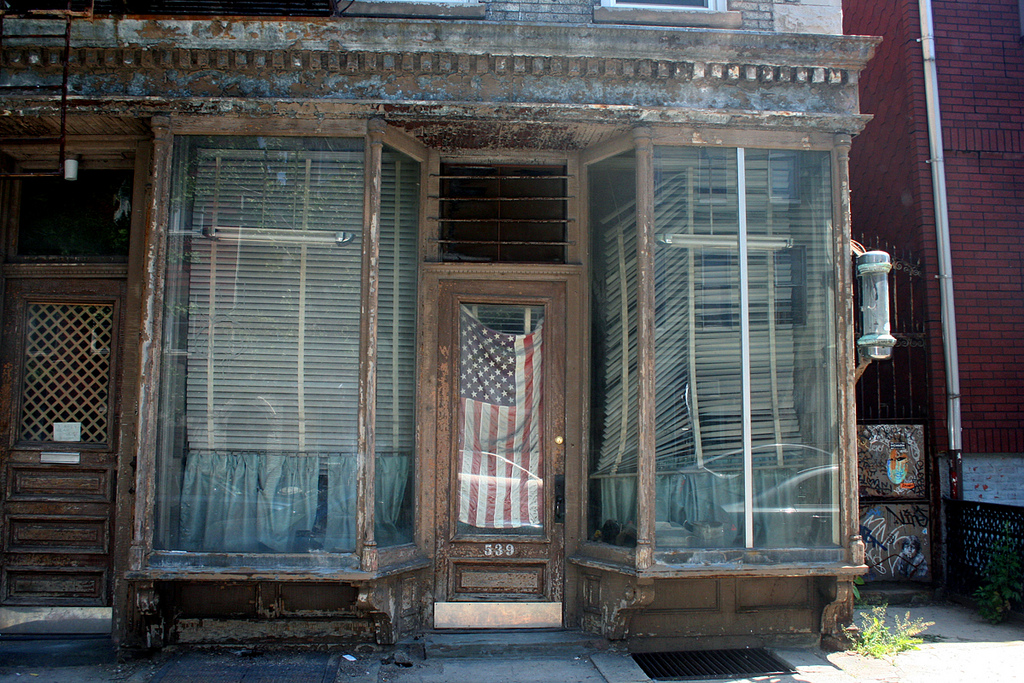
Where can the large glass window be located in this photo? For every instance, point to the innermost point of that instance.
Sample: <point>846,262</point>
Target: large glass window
<point>396,348</point>
<point>259,397</point>
<point>744,349</point>
<point>614,380</point>
<point>745,429</point>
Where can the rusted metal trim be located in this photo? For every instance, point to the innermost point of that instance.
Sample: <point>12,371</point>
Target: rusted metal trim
<point>366,485</point>
<point>406,144</point>
<point>106,271</point>
<point>623,143</point>
<point>704,136</point>
<point>221,124</point>
<point>645,346</point>
<point>130,379</point>
<point>845,354</point>
<point>149,340</point>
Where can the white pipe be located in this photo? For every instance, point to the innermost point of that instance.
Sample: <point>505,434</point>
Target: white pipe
<point>948,311</point>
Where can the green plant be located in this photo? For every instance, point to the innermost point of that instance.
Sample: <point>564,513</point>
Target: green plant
<point>858,581</point>
<point>878,639</point>
<point>1003,580</point>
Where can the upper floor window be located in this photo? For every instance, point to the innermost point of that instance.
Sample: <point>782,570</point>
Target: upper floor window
<point>713,5</point>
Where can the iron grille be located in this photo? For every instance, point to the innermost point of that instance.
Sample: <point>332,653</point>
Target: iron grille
<point>67,370</point>
<point>972,530</point>
<point>709,664</point>
<point>503,213</point>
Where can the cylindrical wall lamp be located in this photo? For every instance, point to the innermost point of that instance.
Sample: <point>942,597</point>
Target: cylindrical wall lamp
<point>71,167</point>
<point>875,342</point>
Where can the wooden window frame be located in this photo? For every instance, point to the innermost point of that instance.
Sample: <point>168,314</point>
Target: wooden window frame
<point>644,559</point>
<point>147,563</point>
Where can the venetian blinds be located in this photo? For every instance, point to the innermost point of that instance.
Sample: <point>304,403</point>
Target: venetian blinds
<point>274,297</point>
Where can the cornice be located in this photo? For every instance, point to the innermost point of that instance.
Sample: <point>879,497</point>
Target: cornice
<point>377,63</point>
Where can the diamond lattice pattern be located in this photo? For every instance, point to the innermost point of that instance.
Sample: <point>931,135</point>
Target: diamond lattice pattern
<point>67,370</point>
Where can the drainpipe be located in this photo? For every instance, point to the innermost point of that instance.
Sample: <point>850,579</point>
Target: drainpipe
<point>948,313</point>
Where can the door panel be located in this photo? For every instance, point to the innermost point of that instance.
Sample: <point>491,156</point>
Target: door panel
<point>500,444</point>
<point>59,450</point>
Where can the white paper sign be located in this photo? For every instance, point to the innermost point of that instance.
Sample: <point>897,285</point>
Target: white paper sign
<point>67,431</point>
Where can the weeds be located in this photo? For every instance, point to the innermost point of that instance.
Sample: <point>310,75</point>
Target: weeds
<point>1004,582</point>
<point>878,639</point>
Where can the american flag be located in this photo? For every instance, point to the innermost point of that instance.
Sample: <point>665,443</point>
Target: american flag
<point>499,445</point>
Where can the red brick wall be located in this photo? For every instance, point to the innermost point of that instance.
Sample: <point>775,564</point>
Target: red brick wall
<point>981,76</point>
<point>981,88</point>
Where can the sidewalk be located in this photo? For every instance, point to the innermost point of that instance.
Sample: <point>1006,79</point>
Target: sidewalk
<point>959,647</point>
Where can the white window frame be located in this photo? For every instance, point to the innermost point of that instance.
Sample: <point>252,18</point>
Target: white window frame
<point>709,5</point>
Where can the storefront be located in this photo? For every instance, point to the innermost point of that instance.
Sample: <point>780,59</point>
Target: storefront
<point>433,335</point>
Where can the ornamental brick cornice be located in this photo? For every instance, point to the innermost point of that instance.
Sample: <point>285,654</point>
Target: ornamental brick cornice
<point>47,61</point>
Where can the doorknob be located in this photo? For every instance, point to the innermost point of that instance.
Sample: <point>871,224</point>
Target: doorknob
<point>559,440</point>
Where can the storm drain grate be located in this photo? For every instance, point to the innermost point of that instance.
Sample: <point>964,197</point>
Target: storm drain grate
<point>700,664</point>
<point>313,667</point>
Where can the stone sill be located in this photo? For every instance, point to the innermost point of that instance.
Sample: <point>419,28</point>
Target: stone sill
<point>416,10</point>
<point>676,17</point>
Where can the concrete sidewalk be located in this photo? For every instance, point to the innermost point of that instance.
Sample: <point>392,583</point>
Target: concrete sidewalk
<point>959,647</point>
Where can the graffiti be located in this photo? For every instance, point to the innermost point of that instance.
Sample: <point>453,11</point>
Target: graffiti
<point>891,463</point>
<point>896,541</point>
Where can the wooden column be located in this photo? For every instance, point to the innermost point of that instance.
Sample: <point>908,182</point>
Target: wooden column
<point>366,485</point>
<point>846,360</point>
<point>645,347</point>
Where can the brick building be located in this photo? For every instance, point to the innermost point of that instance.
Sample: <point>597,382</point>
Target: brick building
<point>364,318</point>
<point>978,150</point>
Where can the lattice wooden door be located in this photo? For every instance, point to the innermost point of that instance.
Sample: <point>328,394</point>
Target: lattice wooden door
<point>60,349</point>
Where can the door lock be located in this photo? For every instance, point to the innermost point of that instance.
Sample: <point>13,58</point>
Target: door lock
<point>559,498</point>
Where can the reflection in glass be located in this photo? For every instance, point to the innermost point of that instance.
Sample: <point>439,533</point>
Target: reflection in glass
<point>614,382</point>
<point>500,460</point>
<point>699,342</point>
<point>259,381</point>
<point>396,349</point>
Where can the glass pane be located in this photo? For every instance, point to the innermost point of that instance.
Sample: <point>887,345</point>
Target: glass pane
<point>257,449</point>
<point>90,216</point>
<point>500,465</point>
<point>396,349</point>
<point>699,426</point>
<point>66,391</point>
<point>793,424</point>
<point>614,384</point>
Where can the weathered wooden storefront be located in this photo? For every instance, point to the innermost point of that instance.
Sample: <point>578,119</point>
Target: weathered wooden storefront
<point>419,323</point>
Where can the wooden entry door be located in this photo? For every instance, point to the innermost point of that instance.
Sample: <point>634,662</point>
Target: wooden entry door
<point>501,479</point>
<point>58,454</point>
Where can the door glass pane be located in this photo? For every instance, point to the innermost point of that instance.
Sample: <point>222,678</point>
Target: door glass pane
<point>65,393</point>
<point>500,465</point>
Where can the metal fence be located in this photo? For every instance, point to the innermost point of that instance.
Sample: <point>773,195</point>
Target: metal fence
<point>972,530</point>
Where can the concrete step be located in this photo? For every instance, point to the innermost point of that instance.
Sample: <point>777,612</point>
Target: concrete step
<point>515,642</point>
<point>896,593</point>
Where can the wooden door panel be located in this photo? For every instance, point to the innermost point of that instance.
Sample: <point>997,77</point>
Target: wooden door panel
<point>48,585</point>
<point>515,553</point>
<point>64,534</point>
<point>506,581</point>
<point>33,483</point>
<point>58,442</point>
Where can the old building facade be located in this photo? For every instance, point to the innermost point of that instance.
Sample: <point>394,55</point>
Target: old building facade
<point>395,316</point>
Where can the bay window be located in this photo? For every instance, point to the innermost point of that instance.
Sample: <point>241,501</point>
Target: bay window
<point>743,349</point>
<point>258,444</point>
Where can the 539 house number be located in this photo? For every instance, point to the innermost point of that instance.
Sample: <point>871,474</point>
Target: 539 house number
<point>499,549</point>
